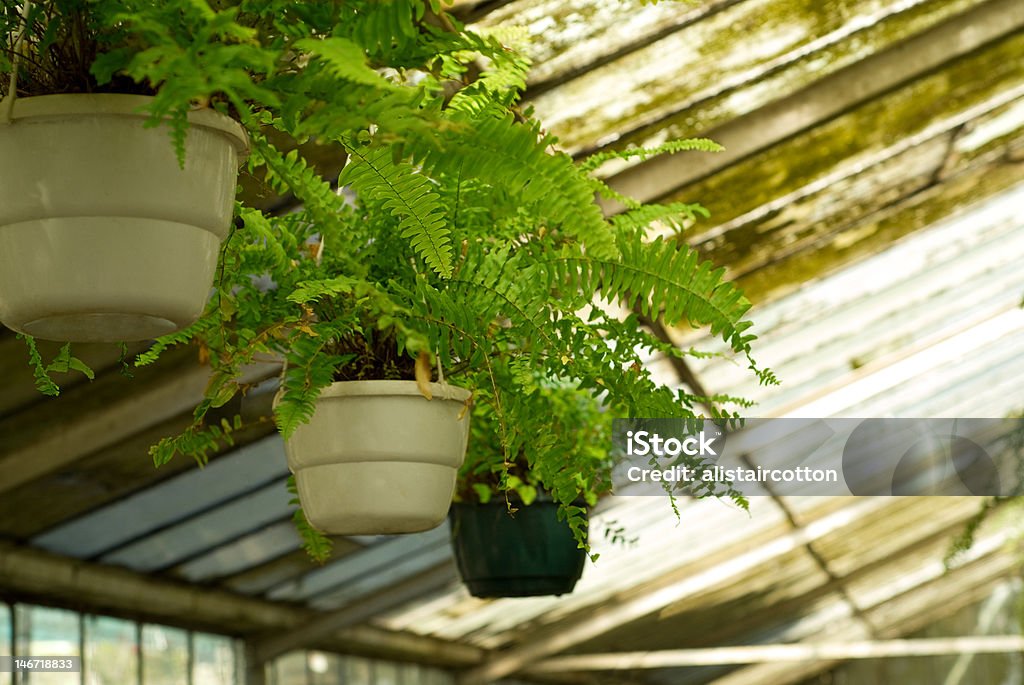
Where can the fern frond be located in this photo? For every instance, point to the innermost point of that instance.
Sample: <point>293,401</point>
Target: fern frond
<point>607,192</point>
<point>500,284</point>
<point>501,81</point>
<point>595,160</point>
<point>184,336</point>
<point>63,362</point>
<point>308,371</point>
<point>451,322</point>
<point>515,157</point>
<point>318,546</point>
<point>312,291</point>
<point>676,215</point>
<point>408,195</point>
<point>664,279</point>
<point>44,383</point>
<point>290,173</point>
<point>268,239</point>
<point>198,441</point>
<point>345,60</point>
<point>383,27</point>
<point>764,376</point>
<point>178,124</point>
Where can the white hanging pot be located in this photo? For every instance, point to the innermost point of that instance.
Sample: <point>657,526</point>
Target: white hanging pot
<point>378,457</point>
<point>103,237</point>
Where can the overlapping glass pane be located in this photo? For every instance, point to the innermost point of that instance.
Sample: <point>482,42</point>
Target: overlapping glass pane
<point>213,660</point>
<point>358,671</point>
<point>5,639</point>
<point>46,632</point>
<point>164,655</point>
<point>111,651</point>
<point>290,669</point>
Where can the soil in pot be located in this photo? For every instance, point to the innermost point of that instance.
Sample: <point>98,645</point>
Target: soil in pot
<point>528,554</point>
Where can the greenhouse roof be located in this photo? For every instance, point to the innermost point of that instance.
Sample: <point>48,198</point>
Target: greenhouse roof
<point>869,201</point>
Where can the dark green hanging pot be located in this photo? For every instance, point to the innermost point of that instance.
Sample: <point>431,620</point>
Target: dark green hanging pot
<point>528,554</point>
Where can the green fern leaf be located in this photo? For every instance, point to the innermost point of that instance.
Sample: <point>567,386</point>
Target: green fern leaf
<point>163,343</point>
<point>65,362</point>
<point>345,59</point>
<point>312,291</point>
<point>308,371</point>
<point>256,222</point>
<point>408,195</point>
<point>594,161</point>
<point>666,279</point>
<point>676,215</point>
<point>318,546</point>
<point>198,441</point>
<point>383,27</point>
<point>44,383</point>
<point>515,157</point>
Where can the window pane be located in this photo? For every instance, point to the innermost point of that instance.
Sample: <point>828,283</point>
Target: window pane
<point>5,639</point>
<point>358,671</point>
<point>48,632</point>
<point>385,673</point>
<point>324,669</point>
<point>111,653</point>
<point>213,660</point>
<point>435,676</point>
<point>290,669</point>
<point>164,655</point>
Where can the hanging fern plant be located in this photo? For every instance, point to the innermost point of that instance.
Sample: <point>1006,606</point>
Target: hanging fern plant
<point>457,234</point>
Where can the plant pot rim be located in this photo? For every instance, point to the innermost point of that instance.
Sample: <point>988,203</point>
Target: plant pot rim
<point>382,388</point>
<point>116,104</point>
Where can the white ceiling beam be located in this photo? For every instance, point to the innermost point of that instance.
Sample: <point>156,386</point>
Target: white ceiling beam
<point>803,651</point>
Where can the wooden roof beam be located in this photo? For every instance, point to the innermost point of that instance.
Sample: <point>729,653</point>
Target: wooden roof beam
<point>824,99</point>
<point>601,620</point>
<point>787,652</point>
<point>28,574</point>
<point>911,611</point>
<point>96,415</point>
<point>353,613</point>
